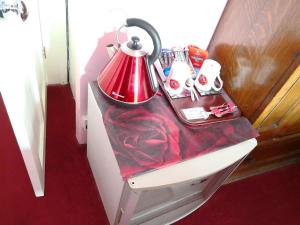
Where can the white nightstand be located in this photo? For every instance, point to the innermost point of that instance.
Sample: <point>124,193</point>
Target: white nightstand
<point>161,196</point>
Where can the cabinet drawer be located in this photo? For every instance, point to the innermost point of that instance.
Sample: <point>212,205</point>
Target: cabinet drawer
<point>161,209</point>
<point>156,197</point>
<point>156,202</point>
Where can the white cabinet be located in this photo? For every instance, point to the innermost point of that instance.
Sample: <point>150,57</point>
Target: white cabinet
<point>160,196</point>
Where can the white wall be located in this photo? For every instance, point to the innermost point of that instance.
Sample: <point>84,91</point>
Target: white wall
<point>53,21</point>
<point>92,26</point>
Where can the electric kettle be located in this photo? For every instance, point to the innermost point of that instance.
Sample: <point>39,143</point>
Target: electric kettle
<point>129,77</point>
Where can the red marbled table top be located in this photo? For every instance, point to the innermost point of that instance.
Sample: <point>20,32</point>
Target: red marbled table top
<point>150,136</point>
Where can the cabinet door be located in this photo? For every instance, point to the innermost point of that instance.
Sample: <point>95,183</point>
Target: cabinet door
<point>279,128</point>
<point>257,43</point>
<point>282,116</point>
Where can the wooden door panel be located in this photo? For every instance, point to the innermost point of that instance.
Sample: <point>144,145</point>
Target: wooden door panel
<point>283,108</point>
<point>290,123</point>
<point>256,43</point>
<point>282,115</point>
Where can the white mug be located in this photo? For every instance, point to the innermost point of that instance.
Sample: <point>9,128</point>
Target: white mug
<point>180,72</point>
<point>208,74</point>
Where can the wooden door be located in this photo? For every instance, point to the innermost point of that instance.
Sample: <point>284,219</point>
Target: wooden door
<point>257,43</point>
<point>23,88</point>
<point>279,129</point>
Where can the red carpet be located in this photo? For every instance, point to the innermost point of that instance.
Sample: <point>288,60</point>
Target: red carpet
<point>71,197</point>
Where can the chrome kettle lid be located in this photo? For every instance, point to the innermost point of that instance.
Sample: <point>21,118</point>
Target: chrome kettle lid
<point>133,47</point>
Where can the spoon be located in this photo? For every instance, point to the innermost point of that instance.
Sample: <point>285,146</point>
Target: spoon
<point>190,86</point>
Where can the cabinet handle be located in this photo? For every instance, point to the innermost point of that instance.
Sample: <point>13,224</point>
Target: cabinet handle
<point>17,7</point>
<point>266,128</point>
<point>199,182</point>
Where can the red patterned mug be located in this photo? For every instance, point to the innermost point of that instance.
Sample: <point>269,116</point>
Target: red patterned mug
<point>208,74</point>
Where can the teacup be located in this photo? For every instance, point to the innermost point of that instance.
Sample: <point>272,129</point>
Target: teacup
<point>208,74</point>
<point>180,72</point>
